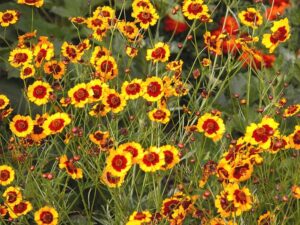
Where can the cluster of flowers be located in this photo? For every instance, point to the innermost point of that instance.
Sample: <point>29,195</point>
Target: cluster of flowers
<point>16,206</point>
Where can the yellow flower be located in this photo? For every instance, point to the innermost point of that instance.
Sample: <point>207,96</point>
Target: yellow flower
<point>141,217</point>
<point>241,198</point>
<point>46,216</point>
<point>80,95</point>
<point>9,17</point>
<point>7,175</point>
<point>97,53</point>
<point>19,57</point>
<point>12,196</point>
<point>39,92</point>
<point>146,16</point>
<point>133,89</point>
<point>115,101</point>
<point>72,170</point>
<point>152,160</point>
<point>296,191</point>
<point>266,219</point>
<point>134,148</point>
<point>212,126</point>
<point>251,18</point>
<point>44,50</point>
<point>153,89</point>
<point>106,12</point>
<point>36,3</point>
<point>55,68</point>
<point>98,89</point>
<point>110,180</point>
<point>27,71</point>
<point>99,110</point>
<point>4,101</point>
<point>161,115</point>
<point>280,33</point>
<point>213,42</point>
<point>107,68</point>
<point>171,156</point>
<point>21,126</point>
<point>160,52</point>
<point>128,29</point>
<point>56,123</point>
<point>71,52</point>
<point>224,206</point>
<point>291,110</point>
<point>131,51</point>
<point>194,9</point>
<point>19,209</point>
<point>294,138</point>
<point>119,162</point>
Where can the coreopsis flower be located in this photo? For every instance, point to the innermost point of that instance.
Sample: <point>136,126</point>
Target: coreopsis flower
<point>279,143</point>
<point>213,42</point>
<point>296,191</point>
<point>194,9</point>
<point>133,89</point>
<point>266,219</point>
<point>171,156</point>
<point>119,162</point>
<point>224,206</point>
<point>242,198</point>
<point>80,95</point>
<point>99,110</point>
<point>134,148</point>
<point>161,115</point>
<point>98,88</point>
<point>131,51</point>
<point>291,110</point>
<point>240,170</point>
<point>160,52</point>
<point>128,29</point>
<point>39,92</point>
<point>140,217</point>
<point>294,138</point>
<point>21,126</point>
<point>99,33</point>
<point>4,101</point>
<point>153,89</point>
<point>71,52</point>
<point>206,62</point>
<point>111,180</point>
<point>280,33</point>
<point>9,17</point>
<point>212,126</point>
<point>72,170</point>
<point>251,18</point>
<point>145,15</point>
<point>55,69</point>
<point>84,45</point>
<point>22,39</point>
<point>35,3</point>
<point>19,209</point>
<point>97,22</point>
<point>219,221</point>
<point>27,71</point>
<point>7,175</point>
<point>46,216</point>
<point>56,123</point>
<point>115,101</point>
<point>99,137</point>
<point>97,53</point>
<point>44,50</point>
<point>20,56</point>
<point>12,196</point>
<point>152,160</point>
<point>261,134</point>
<point>107,68</point>
<point>78,20</point>
<point>38,132</point>
<point>175,65</point>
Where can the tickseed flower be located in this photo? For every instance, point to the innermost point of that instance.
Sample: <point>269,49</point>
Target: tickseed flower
<point>212,126</point>
<point>12,196</point>
<point>161,115</point>
<point>280,33</point>
<point>99,33</point>
<point>131,51</point>
<point>145,15</point>
<point>152,160</point>
<point>160,52</point>
<point>219,221</point>
<point>55,69</point>
<point>27,71</point>
<point>251,18</point>
<point>21,126</point>
<point>107,68</point>
<point>213,42</point>
<point>266,218</point>
<point>105,12</point>
<point>38,132</point>
<point>56,123</point>
<point>72,170</point>
<point>224,206</point>
<point>133,89</point>
<point>134,148</point>
<point>141,217</point>
<point>4,102</point>
<point>35,3</point>
<point>19,57</point>
<point>46,216</point>
<point>194,9</point>
<point>119,162</point>
<point>99,110</point>
<point>115,101</point>
<point>98,88</point>
<point>260,134</point>
<point>240,170</point>
<point>296,191</point>
<point>71,52</point>
<point>291,110</point>
<point>110,180</point>
<point>294,138</point>
<point>96,22</point>
<point>128,29</point>
<point>99,137</point>
<point>7,175</point>
<point>9,17</point>
<point>44,50</point>
<point>20,209</point>
<point>97,53</point>
<point>78,20</point>
<point>241,198</point>
<point>80,95</point>
<point>171,156</point>
<point>153,89</point>
<point>39,92</point>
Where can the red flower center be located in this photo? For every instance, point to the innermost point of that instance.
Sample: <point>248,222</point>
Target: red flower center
<point>240,196</point>
<point>129,29</point>
<point>27,71</point>
<point>100,54</point>
<point>40,91</point>
<point>112,179</point>
<point>279,35</point>
<point>21,207</point>
<point>263,133</point>
<point>210,126</point>
<point>250,17</point>
<point>240,171</point>
<point>81,94</point>
<point>169,157</point>
<point>56,124</point>
<point>296,138</point>
<point>132,150</point>
<point>158,53</point>
<point>41,55</point>
<point>55,68</point>
<point>21,125</point>
<point>37,129</point>
<point>154,89</point>
<point>159,114</point>
<point>114,101</point>
<point>99,136</point>
<point>71,168</point>
<point>20,58</point>
<point>4,175</point>
<point>97,22</point>
<point>133,89</point>
<point>71,52</point>
<point>106,66</point>
<point>195,8</point>
<point>2,102</point>
<point>151,158</point>
<point>97,90</point>
<point>46,217</point>
<point>139,216</point>
<point>145,17</point>
<point>31,1</point>
<point>119,162</point>
<point>169,206</point>
<point>12,196</point>
<point>7,17</point>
